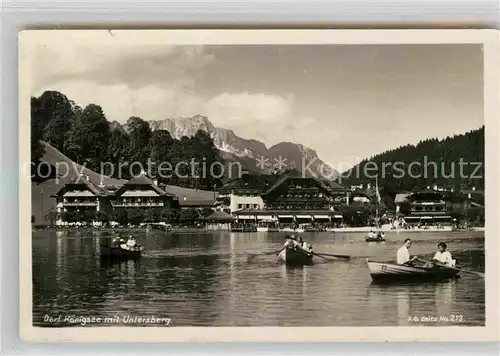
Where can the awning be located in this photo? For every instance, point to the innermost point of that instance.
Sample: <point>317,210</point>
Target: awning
<point>338,216</point>
<point>286,216</point>
<point>304,216</point>
<point>264,217</point>
<point>245,217</point>
<point>321,217</point>
<point>420,217</point>
<point>442,217</point>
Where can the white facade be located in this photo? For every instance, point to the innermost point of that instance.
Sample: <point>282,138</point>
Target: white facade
<point>239,202</point>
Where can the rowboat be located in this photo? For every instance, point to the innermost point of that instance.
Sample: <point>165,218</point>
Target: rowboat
<point>109,252</point>
<point>295,257</point>
<point>389,272</point>
<point>291,229</point>
<point>267,229</point>
<point>373,237</point>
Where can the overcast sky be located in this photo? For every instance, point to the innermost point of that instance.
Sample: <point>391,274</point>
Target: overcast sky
<point>347,102</point>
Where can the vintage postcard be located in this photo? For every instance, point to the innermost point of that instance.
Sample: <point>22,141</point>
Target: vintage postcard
<point>259,185</point>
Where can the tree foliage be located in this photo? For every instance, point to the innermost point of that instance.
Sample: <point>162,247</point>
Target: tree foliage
<point>89,137</point>
<point>455,162</point>
<point>86,137</point>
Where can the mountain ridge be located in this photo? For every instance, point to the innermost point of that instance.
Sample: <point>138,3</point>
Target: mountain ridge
<point>235,148</point>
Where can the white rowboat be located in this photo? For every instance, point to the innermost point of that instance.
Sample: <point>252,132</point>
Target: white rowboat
<point>387,272</point>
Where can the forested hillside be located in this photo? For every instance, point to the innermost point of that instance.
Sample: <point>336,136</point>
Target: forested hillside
<point>455,162</point>
<point>85,136</point>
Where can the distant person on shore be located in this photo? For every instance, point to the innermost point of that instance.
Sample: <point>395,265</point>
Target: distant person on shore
<point>403,254</point>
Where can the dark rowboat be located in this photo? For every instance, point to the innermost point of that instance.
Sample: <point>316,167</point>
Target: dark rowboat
<point>295,257</point>
<point>375,238</point>
<point>388,272</point>
<point>118,253</point>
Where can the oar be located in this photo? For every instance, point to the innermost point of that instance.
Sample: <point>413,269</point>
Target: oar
<point>480,274</point>
<point>252,255</point>
<point>345,257</point>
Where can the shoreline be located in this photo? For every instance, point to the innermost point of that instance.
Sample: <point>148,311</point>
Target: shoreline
<point>365,229</point>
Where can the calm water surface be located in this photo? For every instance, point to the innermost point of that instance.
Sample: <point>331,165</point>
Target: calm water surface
<point>209,279</point>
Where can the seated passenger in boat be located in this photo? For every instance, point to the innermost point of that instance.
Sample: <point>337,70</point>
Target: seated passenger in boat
<point>304,245</point>
<point>130,245</point>
<point>443,257</point>
<point>116,241</point>
<point>403,254</point>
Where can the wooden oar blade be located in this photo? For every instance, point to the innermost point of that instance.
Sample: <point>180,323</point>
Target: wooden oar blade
<point>345,257</point>
<point>253,255</point>
<point>480,274</point>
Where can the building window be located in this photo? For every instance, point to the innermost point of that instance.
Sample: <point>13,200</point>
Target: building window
<point>240,206</point>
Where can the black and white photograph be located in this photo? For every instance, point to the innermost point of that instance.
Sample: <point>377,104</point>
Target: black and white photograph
<point>187,179</point>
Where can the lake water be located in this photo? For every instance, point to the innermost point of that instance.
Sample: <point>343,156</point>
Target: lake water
<point>209,279</point>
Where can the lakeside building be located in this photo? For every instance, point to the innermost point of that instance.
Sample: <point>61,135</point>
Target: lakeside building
<point>433,205</point>
<point>83,195</point>
<point>286,197</point>
<point>62,186</point>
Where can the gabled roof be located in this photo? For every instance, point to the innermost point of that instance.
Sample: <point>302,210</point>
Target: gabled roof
<point>251,182</point>
<point>220,216</point>
<point>191,197</point>
<point>336,186</point>
<point>328,185</point>
<point>141,180</point>
<point>80,183</point>
<point>280,179</point>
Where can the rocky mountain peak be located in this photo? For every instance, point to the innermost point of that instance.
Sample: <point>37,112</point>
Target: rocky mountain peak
<point>250,151</point>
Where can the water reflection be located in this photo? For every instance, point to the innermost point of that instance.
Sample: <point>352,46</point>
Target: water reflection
<point>207,279</point>
<point>444,294</point>
<point>403,300</point>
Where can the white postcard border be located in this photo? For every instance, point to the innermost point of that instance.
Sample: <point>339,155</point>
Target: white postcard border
<point>490,41</point>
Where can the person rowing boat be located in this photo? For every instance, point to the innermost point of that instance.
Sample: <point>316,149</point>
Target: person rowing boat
<point>294,243</point>
<point>403,254</point>
<point>293,252</point>
<point>117,241</point>
<point>131,244</point>
<point>289,243</point>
